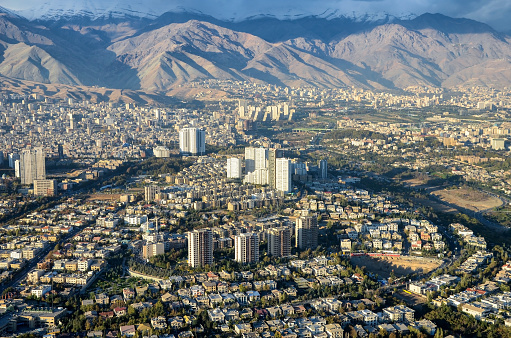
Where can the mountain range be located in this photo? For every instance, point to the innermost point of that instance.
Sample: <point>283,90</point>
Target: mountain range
<point>160,53</point>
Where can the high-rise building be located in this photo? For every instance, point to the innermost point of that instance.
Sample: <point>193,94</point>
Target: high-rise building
<point>71,121</point>
<point>60,150</point>
<point>13,157</point>
<point>233,167</point>
<point>249,160</point>
<point>273,154</point>
<point>246,248</point>
<point>323,169</point>
<point>279,241</point>
<point>200,248</point>
<point>32,166</point>
<point>255,158</point>
<point>306,232</point>
<point>150,193</point>
<point>192,141</point>
<point>283,175</point>
<point>45,187</point>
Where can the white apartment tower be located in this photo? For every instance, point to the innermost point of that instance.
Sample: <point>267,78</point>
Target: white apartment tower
<point>192,141</point>
<point>246,248</point>
<point>200,248</point>
<point>233,167</point>
<point>32,166</point>
<point>283,175</point>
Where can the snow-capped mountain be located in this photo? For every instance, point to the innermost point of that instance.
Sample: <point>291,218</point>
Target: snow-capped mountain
<point>96,9</point>
<point>54,10</point>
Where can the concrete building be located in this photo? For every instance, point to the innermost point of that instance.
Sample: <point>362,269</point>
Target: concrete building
<point>306,232</point>
<point>32,165</point>
<point>323,169</point>
<point>161,152</point>
<point>13,157</point>
<point>41,290</point>
<point>283,175</point>
<point>150,193</point>
<point>234,168</point>
<point>246,248</point>
<point>279,241</point>
<point>192,141</point>
<point>200,248</point>
<point>154,249</point>
<point>498,144</point>
<point>273,155</point>
<point>45,187</point>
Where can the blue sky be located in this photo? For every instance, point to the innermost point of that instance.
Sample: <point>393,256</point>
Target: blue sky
<point>494,12</point>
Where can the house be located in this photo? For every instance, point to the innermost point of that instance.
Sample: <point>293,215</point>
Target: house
<point>120,311</point>
<point>127,330</point>
<point>242,328</point>
<point>475,311</point>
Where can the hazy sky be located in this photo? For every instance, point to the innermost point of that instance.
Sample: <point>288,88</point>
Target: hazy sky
<point>494,12</point>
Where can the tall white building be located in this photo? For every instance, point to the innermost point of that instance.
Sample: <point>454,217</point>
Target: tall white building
<point>256,165</point>
<point>246,248</point>
<point>283,175</point>
<point>32,165</point>
<point>200,248</point>
<point>13,157</point>
<point>255,158</point>
<point>233,167</point>
<point>192,141</point>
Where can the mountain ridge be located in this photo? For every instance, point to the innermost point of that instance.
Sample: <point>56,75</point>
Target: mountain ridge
<point>176,48</point>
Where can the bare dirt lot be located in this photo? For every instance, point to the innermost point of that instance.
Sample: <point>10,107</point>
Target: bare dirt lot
<point>469,199</point>
<point>401,265</point>
<point>104,197</point>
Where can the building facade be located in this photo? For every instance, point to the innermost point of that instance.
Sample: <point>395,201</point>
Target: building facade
<point>246,248</point>
<point>306,232</point>
<point>279,241</point>
<point>32,165</point>
<point>283,175</point>
<point>200,248</point>
<point>192,141</point>
<point>234,168</point>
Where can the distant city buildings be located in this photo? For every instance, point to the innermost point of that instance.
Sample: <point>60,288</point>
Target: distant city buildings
<point>246,248</point>
<point>192,141</point>
<point>200,248</point>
